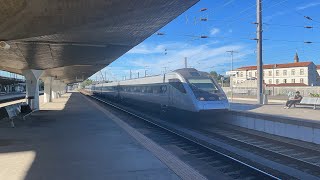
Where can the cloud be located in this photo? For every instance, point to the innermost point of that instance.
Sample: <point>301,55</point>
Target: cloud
<point>270,17</point>
<point>204,57</point>
<point>152,49</point>
<point>214,31</point>
<point>201,57</point>
<point>306,6</point>
<point>143,49</point>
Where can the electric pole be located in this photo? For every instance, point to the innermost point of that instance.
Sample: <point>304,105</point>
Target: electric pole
<point>259,54</point>
<point>185,62</point>
<point>165,69</point>
<point>231,75</point>
<point>130,74</point>
<point>105,76</point>
<point>145,71</point>
<point>231,53</point>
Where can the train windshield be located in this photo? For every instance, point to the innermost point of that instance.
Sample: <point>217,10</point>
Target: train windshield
<point>204,89</point>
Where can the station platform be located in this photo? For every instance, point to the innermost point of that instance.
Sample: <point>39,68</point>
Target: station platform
<point>71,138</point>
<point>276,108</point>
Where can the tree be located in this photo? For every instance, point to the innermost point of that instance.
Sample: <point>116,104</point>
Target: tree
<point>214,74</point>
<point>85,83</point>
<point>219,78</point>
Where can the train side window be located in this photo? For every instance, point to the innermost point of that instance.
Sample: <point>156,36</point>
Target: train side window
<point>142,89</point>
<point>137,89</point>
<point>149,89</point>
<point>156,89</point>
<point>163,89</point>
<point>176,83</point>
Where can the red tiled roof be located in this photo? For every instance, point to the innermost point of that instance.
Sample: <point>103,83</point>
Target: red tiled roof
<point>275,66</point>
<point>318,66</point>
<point>286,84</point>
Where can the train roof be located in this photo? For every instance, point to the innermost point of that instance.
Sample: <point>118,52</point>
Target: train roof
<point>184,72</point>
<point>191,73</point>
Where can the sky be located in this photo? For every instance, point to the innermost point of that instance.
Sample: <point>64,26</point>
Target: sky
<point>229,27</point>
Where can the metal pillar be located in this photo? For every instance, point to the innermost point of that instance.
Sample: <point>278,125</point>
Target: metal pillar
<point>259,54</point>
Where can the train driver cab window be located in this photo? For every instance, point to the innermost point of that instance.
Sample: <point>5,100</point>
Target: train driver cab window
<point>205,89</point>
<point>177,84</point>
<point>204,85</point>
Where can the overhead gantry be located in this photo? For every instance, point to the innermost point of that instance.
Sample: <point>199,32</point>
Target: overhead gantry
<point>64,41</point>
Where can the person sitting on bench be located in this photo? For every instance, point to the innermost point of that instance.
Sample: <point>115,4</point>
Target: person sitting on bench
<point>297,98</point>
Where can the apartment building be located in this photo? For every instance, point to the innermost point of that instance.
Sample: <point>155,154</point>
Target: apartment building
<point>295,74</point>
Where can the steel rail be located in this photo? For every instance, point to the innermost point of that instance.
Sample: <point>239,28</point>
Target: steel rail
<point>184,137</point>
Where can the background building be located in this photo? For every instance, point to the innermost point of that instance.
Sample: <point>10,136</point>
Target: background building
<point>290,74</point>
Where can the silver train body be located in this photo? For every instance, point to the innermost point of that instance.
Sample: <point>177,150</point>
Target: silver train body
<point>185,90</point>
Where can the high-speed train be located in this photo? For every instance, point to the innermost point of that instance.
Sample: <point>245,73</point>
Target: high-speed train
<point>184,90</point>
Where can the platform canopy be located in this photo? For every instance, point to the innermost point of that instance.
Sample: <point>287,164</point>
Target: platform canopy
<point>72,39</point>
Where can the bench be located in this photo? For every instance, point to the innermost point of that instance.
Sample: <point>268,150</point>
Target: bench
<point>310,101</point>
<point>18,110</point>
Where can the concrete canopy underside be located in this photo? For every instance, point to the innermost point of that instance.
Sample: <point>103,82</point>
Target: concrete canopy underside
<point>73,39</point>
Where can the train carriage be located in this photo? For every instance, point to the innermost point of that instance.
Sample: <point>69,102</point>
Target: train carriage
<point>183,90</point>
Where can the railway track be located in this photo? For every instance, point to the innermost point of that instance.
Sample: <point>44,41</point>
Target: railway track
<point>293,155</point>
<point>207,160</point>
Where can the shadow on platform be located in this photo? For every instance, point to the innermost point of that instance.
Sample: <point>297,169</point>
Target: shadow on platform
<point>24,152</point>
<point>244,106</point>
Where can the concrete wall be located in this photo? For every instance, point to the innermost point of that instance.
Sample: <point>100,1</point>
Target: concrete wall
<point>304,130</point>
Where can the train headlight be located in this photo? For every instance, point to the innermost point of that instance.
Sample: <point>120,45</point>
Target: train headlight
<point>201,99</point>
<point>222,98</point>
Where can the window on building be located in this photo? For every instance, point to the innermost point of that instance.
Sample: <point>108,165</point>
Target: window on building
<point>293,72</point>
<point>293,81</point>
<point>284,80</point>
<point>277,72</point>
<point>270,81</point>
<point>277,81</point>
<point>250,74</point>
<point>241,74</point>
<point>270,73</point>
<point>255,74</point>
<point>284,72</point>
<point>301,71</point>
<point>301,80</point>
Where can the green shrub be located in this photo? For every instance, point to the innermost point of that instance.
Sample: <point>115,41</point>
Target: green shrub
<point>314,95</point>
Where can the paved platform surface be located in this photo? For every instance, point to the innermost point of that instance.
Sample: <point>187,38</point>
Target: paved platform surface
<point>71,139</point>
<point>301,112</point>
